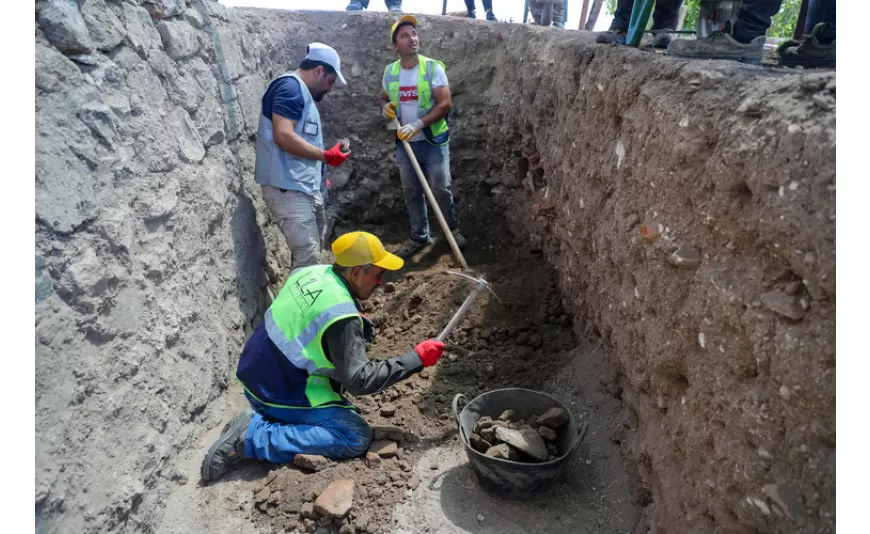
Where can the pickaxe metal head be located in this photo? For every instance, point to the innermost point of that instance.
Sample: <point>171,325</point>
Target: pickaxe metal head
<point>479,285</point>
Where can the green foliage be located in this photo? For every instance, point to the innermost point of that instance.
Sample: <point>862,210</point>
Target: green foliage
<point>782,25</point>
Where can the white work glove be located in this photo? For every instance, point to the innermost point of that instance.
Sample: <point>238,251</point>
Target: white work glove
<point>389,111</point>
<point>410,130</point>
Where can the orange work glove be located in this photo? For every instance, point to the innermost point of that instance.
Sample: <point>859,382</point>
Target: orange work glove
<point>429,351</point>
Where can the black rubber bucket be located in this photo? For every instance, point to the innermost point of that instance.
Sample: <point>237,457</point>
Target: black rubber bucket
<point>506,478</point>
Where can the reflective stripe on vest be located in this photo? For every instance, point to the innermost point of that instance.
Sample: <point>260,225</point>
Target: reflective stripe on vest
<point>312,299</point>
<point>438,133</point>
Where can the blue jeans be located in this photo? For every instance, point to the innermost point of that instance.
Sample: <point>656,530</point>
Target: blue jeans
<point>754,18</point>
<point>435,163</point>
<point>278,434</point>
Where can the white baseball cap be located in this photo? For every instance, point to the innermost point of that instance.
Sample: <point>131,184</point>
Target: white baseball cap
<point>325,54</point>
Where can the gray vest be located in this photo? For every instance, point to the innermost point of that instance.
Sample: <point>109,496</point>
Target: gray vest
<point>276,167</point>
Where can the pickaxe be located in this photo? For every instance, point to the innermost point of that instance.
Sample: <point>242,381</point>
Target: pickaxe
<point>480,285</point>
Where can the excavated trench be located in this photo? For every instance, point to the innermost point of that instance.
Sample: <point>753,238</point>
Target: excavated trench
<point>661,234</point>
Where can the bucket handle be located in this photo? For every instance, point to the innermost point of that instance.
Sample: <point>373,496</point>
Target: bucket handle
<point>456,399</point>
<point>581,434</point>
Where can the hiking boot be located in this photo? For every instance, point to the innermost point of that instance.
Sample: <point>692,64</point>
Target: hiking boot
<point>611,37</point>
<point>354,6</point>
<point>662,38</point>
<point>809,53</point>
<point>471,14</point>
<point>719,45</point>
<point>412,248</point>
<point>229,450</point>
<point>491,16</point>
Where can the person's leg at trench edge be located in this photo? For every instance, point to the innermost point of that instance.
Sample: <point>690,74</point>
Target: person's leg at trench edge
<point>744,41</point>
<point>818,48</point>
<point>619,25</point>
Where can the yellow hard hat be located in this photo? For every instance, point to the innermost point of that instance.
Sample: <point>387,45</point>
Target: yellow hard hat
<point>404,19</point>
<point>362,248</point>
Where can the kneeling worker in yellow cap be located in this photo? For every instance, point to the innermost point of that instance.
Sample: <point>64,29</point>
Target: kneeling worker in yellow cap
<point>309,349</point>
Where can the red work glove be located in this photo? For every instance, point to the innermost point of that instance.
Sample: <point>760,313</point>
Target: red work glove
<point>334,156</point>
<point>429,351</point>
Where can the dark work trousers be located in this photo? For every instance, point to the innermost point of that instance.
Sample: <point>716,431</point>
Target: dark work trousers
<point>665,15</point>
<point>754,18</point>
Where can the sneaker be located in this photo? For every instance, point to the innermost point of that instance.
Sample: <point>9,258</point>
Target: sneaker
<point>354,6</point>
<point>459,238</point>
<point>229,450</point>
<point>560,25</point>
<point>662,39</point>
<point>809,53</point>
<point>412,248</point>
<point>395,6</point>
<point>719,45</point>
<point>471,14</point>
<point>611,37</point>
<point>491,16</point>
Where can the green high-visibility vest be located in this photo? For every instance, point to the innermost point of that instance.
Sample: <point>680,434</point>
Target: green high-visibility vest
<point>438,133</point>
<point>312,299</point>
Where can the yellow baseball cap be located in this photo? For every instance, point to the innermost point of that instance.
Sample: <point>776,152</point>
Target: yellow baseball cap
<point>404,19</point>
<point>362,248</point>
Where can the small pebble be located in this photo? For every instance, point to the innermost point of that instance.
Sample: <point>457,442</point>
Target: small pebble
<point>480,518</point>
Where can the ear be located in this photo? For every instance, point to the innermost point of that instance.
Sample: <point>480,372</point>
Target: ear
<point>318,72</point>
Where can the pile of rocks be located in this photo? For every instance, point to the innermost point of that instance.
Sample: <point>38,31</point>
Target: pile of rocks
<point>510,438</point>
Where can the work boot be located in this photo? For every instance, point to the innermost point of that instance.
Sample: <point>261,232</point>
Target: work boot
<point>472,14</point>
<point>354,5</point>
<point>413,247</point>
<point>394,6</point>
<point>809,53</point>
<point>459,238</point>
<point>491,16</point>
<point>611,37</point>
<point>719,45</point>
<point>229,450</point>
<point>662,38</point>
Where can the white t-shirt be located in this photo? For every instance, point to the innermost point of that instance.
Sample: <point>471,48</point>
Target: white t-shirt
<point>409,108</point>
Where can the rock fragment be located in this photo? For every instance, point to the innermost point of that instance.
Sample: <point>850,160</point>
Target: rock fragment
<point>311,462</point>
<point>336,499</point>
<point>525,440</point>
<point>553,418</point>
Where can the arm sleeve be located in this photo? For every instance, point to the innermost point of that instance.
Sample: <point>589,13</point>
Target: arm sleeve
<point>439,77</point>
<point>288,100</point>
<point>346,348</point>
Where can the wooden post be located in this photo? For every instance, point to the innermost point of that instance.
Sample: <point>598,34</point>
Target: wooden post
<point>584,13</point>
<point>593,14</point>
<point>684,10</point>
<point>801,21</point>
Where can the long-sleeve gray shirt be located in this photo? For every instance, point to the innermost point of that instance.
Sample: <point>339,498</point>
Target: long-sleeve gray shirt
<point>345,345</point>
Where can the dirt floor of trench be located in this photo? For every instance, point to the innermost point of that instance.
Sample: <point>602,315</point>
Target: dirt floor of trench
<point>524,340</point>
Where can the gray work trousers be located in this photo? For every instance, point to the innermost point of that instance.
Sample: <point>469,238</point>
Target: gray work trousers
<point>302,221</point>
<point>558,12</point>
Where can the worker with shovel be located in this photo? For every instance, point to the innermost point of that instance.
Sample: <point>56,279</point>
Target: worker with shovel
<point>416,93</point>
<point>309,349</point>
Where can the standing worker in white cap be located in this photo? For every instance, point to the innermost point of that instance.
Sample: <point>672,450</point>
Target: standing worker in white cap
<point>415,91</point>
<point>290,151</point>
